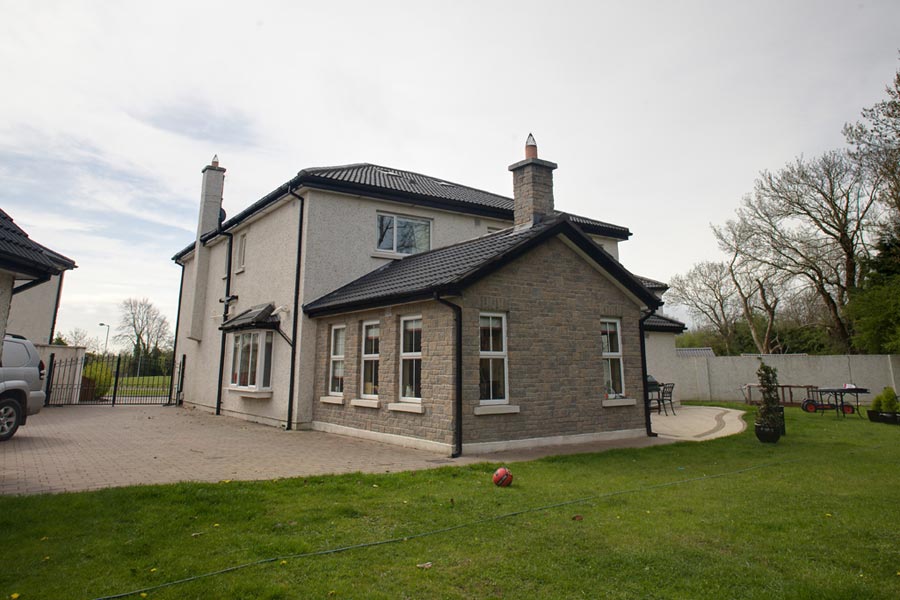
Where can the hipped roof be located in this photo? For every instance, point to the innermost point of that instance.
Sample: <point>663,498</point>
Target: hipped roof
<point>407,187</point>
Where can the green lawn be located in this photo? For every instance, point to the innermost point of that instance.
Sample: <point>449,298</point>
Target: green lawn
<point>155,385</point>
<point>815,516</point>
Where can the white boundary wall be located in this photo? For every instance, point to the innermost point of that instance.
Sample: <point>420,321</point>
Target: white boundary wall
<point>722,377</point>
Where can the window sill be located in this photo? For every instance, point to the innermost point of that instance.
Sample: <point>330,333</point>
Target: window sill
<point>365,402</point>
<point>388,254</point>
<point>331,399</point>
<point>410,407</point>
<point>497,409</point>
<point>253,394</point>
<point>611,402</point>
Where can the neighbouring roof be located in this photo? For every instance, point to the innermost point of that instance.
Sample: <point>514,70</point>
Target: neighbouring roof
<point>693,352</point>
<point>661,323</point>
<point>26,258</point>
<point>652,284</point>
<point>255,317</point>
<point>448,270</point>
<point>407,187</point>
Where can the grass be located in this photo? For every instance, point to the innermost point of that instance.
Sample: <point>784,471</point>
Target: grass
<point>145,386</point>
<point>814,516</point>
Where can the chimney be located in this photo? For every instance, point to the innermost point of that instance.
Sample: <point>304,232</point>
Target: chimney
<point>532,187</point>
<point>210,208</point>
<point>211,197</point>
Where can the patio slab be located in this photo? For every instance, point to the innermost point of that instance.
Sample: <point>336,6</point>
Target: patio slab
<point>77,448</point>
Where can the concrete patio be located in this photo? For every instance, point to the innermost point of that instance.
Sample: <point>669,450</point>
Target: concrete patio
<point>76,448</point>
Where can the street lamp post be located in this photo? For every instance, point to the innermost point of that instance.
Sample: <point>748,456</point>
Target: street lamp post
<point>106,345</point>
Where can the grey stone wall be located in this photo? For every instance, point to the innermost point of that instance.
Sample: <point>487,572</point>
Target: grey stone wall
<point>435,423</point>
<point>554,302</point>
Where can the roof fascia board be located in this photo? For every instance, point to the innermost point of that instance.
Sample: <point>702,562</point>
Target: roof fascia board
<point>395,300</point>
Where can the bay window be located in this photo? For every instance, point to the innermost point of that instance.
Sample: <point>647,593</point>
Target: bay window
<point>251,360</point>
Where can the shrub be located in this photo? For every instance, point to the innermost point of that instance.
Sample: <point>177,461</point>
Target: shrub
<point>877,402</point>
<point>889,402</point>
<point>767,414</point>
<point>97,380</point>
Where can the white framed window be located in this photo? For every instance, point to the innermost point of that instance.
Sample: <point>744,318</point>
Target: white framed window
<point>403,235</point>
<point>411,359</point>
<point>611,353</point>
<point>241,253</point>
<point>336,363</point>
<point>371,337</point>
<point>251,360</point>
<point>493,373</point>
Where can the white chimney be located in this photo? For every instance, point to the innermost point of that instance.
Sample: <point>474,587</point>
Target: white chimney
<point>210,207</point>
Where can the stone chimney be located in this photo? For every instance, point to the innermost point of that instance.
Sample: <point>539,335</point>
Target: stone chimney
<point>210,207</point>
<point>532,187</point>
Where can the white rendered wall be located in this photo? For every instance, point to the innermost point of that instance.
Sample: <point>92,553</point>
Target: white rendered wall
<point>32,312</point>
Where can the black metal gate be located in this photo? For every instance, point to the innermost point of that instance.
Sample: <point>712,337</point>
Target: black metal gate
<point>111,380</point>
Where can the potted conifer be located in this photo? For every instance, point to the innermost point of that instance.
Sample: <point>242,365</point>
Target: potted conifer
<point>769,417</point>
<point>874,411</point>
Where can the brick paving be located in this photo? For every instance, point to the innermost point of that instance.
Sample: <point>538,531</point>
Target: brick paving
<point>76,448</point>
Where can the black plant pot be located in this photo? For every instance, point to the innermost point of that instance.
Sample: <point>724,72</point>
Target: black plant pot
<point>766,434</point>
<point>889,418</point>
<point>874,416</point>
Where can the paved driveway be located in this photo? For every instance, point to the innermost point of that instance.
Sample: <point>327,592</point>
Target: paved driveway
<point>75,448</point>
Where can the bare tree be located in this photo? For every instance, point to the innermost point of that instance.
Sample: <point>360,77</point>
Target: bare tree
<point>759,288</point>
<point>79,337</point>
<point>143,327</point>
<point>876,143</point>
<point>709,295</point>
<point>811,221</point>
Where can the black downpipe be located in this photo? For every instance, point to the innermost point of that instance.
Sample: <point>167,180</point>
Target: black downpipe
<point>458,404</point>
<point>175,344</point>
<point>647,422</point>
<point>59,285</point>
<point>226,304</point>
<point>291,385</point>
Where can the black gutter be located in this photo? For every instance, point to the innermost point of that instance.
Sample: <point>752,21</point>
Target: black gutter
<point>175,344</point>
<point>296,315</point>
<point>647,422</point>
<point>458,404</point>
<point>226,304</point>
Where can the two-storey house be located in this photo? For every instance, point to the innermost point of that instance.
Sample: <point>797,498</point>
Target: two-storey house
<point>386,304</point>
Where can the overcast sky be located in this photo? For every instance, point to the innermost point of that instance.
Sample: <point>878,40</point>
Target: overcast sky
<point>659,114</point>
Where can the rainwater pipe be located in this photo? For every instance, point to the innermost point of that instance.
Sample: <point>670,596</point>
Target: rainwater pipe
<point>646,395</point>
<point>296,315</point>
<point>458,403</point>
<point>226,303</point>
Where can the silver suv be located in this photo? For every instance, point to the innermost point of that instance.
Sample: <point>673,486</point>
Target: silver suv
<point>21,384</point>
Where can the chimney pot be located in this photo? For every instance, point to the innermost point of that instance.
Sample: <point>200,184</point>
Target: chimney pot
<point>532,187</point>
<point>531,147</point>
